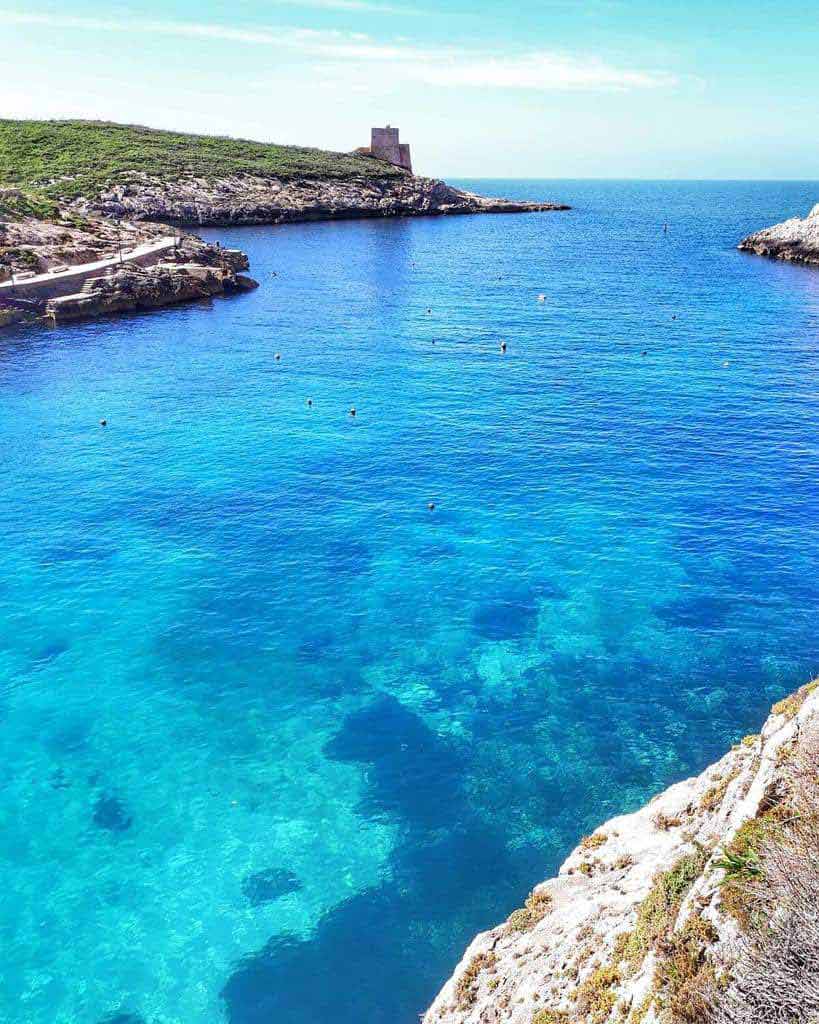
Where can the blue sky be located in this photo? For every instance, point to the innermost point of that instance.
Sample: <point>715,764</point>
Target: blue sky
<point>553,88</point>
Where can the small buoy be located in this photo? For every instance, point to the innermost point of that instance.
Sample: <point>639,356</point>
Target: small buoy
<point>541,297</point>
<point>352,411</point>
<point>103,423</point>
<point>310,401</point>
<point>431,506</point>
<point>277,356</point>
<point>503,346</point>
<point>726,363</point>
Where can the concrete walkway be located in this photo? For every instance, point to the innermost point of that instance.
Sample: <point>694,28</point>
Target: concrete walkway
<point>49,286</point>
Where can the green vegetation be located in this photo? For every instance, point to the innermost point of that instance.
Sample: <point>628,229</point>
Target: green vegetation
<point>551,1017</point>
<point>466,991</point>
<point>16,204</point>
<point>18,257</point>
<point>537,906</point>
<point>596,996</point>
<point>658,911</point>
<point>741,860</point>
<point>56,160</point>
<point>791,705</point>
<point>714,796</point>
<point>684,978</point>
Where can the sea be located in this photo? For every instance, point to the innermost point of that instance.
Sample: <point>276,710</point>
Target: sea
<point>293,702</point>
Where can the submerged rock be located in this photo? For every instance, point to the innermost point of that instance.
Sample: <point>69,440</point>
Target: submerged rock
<point>650,919</point>
<point>796,240</point>
<point>266,886</point>
<point>110,813</point>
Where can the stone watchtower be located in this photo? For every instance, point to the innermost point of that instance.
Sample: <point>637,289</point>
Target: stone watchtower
<point>384,144</point>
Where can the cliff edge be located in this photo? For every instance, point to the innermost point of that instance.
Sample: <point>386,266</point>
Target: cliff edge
<point>697,909</point>
<point>796,240</point>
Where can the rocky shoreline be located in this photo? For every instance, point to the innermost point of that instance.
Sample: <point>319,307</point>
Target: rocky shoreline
<point>795,240</point>
<point>135,211</point>
<point>39,254</point>
<point>647,920</point>
<point>134,288</point>
<point>246,199</point>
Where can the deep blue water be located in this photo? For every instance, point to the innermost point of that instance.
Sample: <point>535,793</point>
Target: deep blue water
<point>276,738</point>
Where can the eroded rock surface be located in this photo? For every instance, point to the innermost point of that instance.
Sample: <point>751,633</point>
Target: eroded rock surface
<point>796,240</point>
<point>134,288</point>
<point>190,270</point>
<point>267,200</point>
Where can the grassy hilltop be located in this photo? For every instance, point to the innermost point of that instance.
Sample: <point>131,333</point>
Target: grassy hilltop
<point>62,160</point>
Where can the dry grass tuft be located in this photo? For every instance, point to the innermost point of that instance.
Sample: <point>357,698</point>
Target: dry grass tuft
<point>466,990</point>
<point>596,997</point>
<point>594,841</point>
<point>537,906</point>
<point>773,881</point>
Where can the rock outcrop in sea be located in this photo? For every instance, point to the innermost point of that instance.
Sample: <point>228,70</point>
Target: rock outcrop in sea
<point>697,909</point>
<point>796,240</point>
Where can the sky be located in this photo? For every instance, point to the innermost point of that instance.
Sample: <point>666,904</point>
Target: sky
<point>538,88</point>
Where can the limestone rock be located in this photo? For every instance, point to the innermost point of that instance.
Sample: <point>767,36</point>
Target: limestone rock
<point>259,200</point>
<point>796,240</point>
<point>132,287</point>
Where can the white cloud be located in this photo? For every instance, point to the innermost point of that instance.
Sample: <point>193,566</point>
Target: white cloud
<point>440,66</point>
<point>350,5</point>
<point>545,72</point>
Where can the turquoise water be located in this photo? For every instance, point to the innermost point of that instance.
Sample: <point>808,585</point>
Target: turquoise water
<point>276,738</point>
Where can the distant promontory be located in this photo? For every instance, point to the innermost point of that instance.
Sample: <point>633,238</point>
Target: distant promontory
<point>84,209</point>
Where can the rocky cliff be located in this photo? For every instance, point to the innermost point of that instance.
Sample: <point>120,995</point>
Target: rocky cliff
<point>249,199</point>
<point>796,240</point>
<point>698,908</point>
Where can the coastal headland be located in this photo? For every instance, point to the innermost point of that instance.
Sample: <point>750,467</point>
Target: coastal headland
<point>89,204</point>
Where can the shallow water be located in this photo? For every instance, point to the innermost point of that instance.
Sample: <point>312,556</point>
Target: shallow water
<point>276,738</point>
